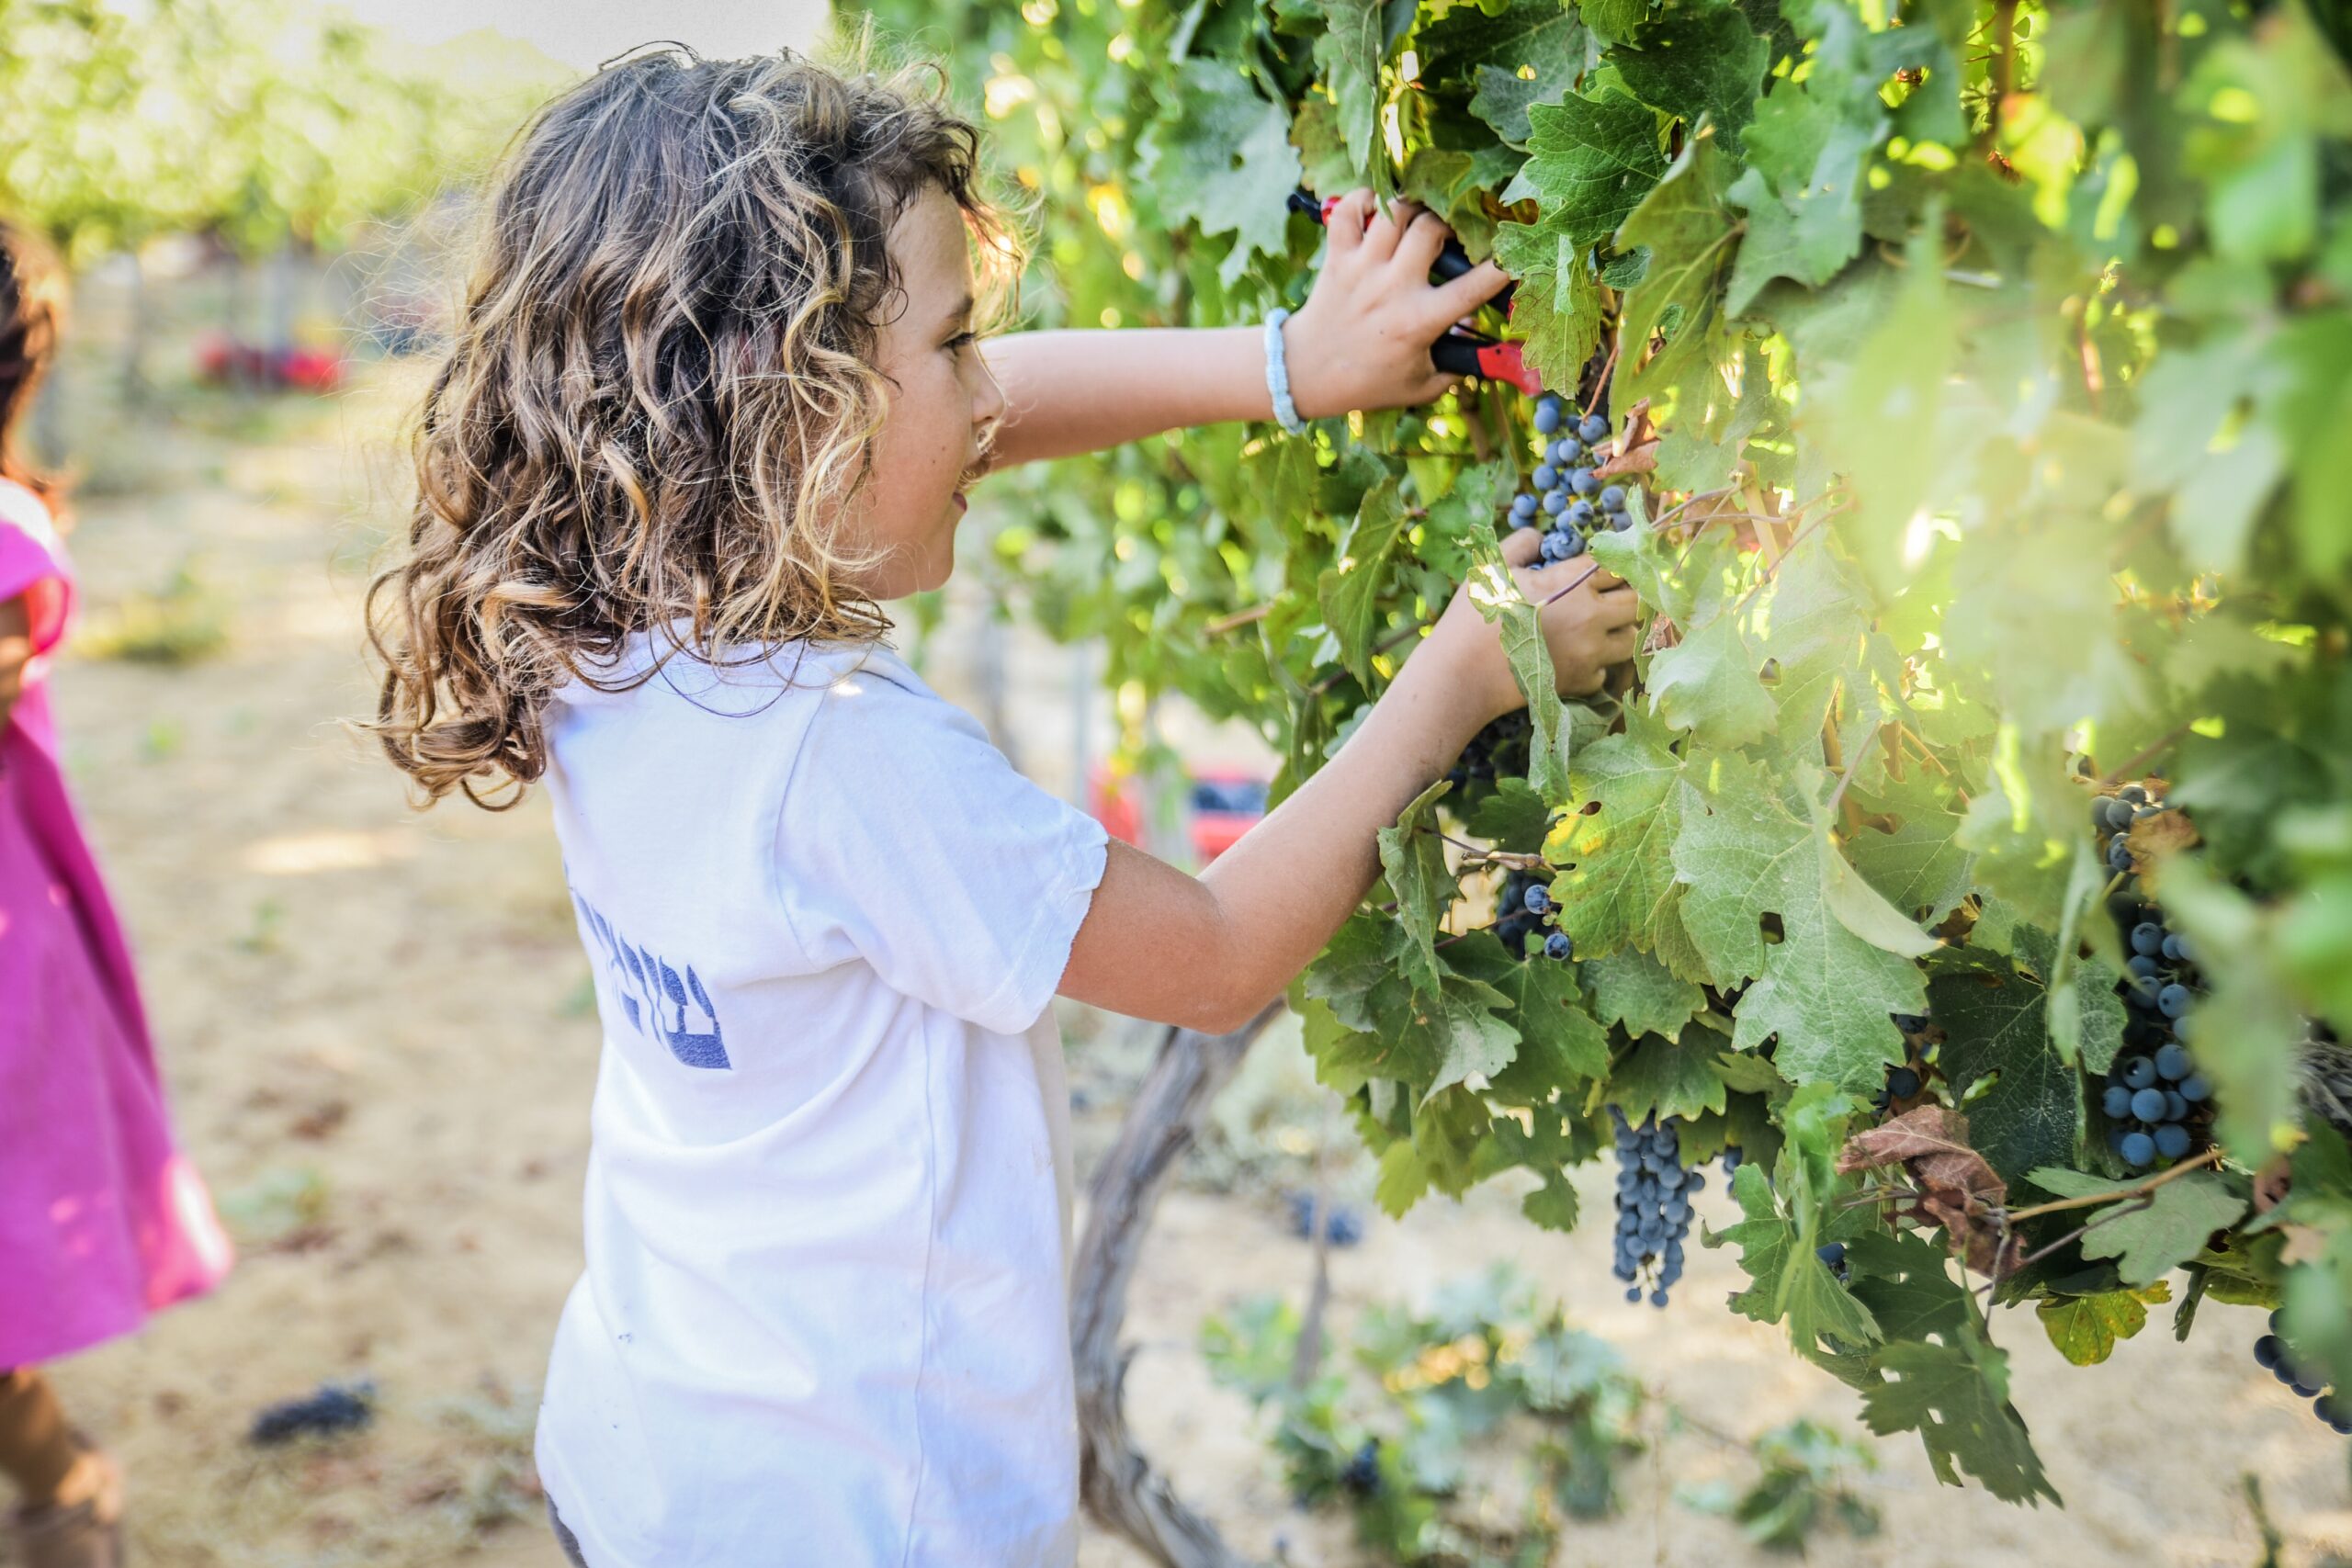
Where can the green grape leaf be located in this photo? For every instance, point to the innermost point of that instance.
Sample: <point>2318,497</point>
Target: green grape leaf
<point>1747,1073</point>
<point>1540,34</point>
<point>1322,148</point>
<point>1691,237</point>
<point>1996,1024</point>
<point>1956,1396</point>
<point>2316,1306</point>
<point>2247,1026</point>
<point>1825,989</point>
<point>1619,881</point>
<point>1462,1035</point>
<point>1355,973</point>
<point>1335,1050</point>
<point>1428,1045</point>
<point>1707,684</point>
<point>1637,991</point>
<point>2085,1329</point>
<point>1559,1041</point>
<point>1503,97</point>
<point>1412,858</point>
<point>1448,183</point>
<point>1906,1281</point>
<point>1556,311</point>
<point>1497,595</point>
<point>1591,160</point>
<point>1667,1078</point>
<point>1614,20</point>
<point>1513,817</point>
<point>1789,1283</point>
<point>1711,427</point>
<point>1350,589</point>
<point>1224,162</point>
<point>1801,192</point>
<point>1917,864</point>
<point>1809,621</point>
<point>2087,994</point>
<point>1348,52</point>
<point>1438,1149</point>
<point>1699,63</point>
<point>2149,1238</point>
<point>1546,1147</point>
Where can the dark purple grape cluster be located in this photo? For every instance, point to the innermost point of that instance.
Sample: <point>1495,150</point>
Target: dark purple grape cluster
<point>1569,500</point>
<point>1906,1081</point>
<point>2156,1103</point>
<point>1522,909</point>
<point>1653,1195</point>
<point>1342,1225</point>
<point>2331,1406</point>
<point>1498,751</point>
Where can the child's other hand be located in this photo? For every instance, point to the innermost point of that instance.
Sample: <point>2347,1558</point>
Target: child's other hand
<point>1589,630</point>
<point>1362,341</point>
<point>15,653</point>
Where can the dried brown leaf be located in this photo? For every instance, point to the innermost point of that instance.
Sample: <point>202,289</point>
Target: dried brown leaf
<point>2166,833</point>
<point>1634,459</point>
<point>1957,1188</point>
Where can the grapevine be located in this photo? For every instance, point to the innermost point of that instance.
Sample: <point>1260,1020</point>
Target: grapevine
<point>1968,384</point>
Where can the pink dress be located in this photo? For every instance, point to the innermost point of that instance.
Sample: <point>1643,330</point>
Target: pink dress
<point>102,1219</point>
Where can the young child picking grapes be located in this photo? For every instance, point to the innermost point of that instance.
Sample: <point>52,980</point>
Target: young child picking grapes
<point>716,395</point>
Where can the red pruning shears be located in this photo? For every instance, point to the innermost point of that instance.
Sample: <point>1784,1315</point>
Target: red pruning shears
<point>1459,353</point>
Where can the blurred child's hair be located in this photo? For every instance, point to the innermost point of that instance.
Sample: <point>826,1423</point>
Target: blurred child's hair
<point>32,315</point>
<point>662,388</point>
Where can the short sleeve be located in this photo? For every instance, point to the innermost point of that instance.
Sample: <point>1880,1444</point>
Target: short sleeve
<point>32,564</point>
<point>905,839</point>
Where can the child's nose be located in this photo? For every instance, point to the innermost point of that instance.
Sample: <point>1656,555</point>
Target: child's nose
<point>987,397</point>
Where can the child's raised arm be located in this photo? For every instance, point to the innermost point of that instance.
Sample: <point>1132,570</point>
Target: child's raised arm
<point>1208,951</point>
<point>1362,341</point>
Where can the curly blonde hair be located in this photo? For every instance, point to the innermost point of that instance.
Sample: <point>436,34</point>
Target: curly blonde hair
<point>662,390</point>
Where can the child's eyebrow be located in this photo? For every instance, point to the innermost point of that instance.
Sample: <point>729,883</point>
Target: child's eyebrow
<point>961,310</point>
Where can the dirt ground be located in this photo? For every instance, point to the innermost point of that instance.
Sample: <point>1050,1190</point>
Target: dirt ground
<point>379,1038</point>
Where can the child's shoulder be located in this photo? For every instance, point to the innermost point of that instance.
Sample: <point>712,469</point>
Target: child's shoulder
<point>24,510</point>
<point>663,672</point>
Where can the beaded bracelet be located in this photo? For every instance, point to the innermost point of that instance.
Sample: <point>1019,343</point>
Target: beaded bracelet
<point>1278,375</point>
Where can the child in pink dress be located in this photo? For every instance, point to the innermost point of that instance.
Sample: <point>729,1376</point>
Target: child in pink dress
<point>102,1220</point>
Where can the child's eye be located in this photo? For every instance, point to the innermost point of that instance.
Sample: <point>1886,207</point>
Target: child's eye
<point>961,342</point>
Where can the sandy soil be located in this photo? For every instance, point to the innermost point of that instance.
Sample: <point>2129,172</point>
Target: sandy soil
<point>377,1031</point>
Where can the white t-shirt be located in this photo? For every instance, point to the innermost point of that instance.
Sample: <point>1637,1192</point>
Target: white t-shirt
<point>828,1199</point>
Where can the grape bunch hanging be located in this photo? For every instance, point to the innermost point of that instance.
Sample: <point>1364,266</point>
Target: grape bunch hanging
<point>1653,1193</point>
<point>2331,1406</point>
<point>1906,1082</point>
<point>2157,1104</point>
<point>1522,910</point>
<point>1569,499</point>
<point>1498,751</point>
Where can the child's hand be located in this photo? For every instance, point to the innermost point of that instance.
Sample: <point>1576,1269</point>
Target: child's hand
<point>1588,630</point>
<point>1362,341</point>
<point>15,653</point>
